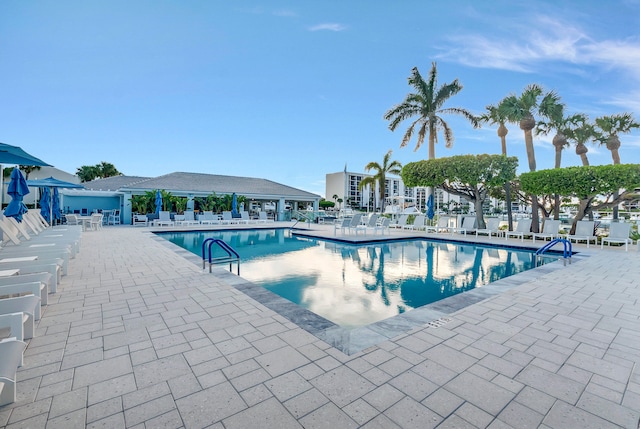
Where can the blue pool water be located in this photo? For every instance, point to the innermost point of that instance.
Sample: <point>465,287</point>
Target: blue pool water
<point>355,285</point>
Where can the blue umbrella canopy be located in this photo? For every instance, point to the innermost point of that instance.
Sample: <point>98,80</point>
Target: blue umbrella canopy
<point>49,184</point>
<point>52,182</point>
<point>17,189</point>
<point>13,155</point>
<point>158,201</point>
<point>430,212</point>
<point>45,204</point>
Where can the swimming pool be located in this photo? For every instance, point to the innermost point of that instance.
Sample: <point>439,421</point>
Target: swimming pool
<point>357,285</point>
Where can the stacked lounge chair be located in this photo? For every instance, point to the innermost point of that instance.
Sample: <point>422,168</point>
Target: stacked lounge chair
<point>32,258</point>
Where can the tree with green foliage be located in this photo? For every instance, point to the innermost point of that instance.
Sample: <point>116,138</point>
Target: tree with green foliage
<point>521,110</point>
<point>380,176</point>
<point>580,132</point>
<point>87,173</point>
<point>609,128</point>
<point>498,115</point>
<point>587,183</point>
<point>468,176</point>
<point>324,204</point>
<point>426,105</point>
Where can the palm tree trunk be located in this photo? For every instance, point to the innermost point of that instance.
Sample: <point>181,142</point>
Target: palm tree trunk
<point>531,156</point>
<point>585,160</point>
<point>615,155</point>
<point>556,197</point>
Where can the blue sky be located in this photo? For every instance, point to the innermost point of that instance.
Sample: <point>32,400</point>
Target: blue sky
<point>292,90</point>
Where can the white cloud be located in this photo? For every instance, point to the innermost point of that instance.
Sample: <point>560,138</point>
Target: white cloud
<point>524,50</point>
<point>285,13</point>
<point>328,26</point>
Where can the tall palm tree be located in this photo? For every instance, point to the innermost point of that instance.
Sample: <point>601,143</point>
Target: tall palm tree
<point>552,109</point>
<point>609,127</point>
<point>426,105</point>
<point>498,115</point>
<point>380,176</point>
<point>521,110</point>
<point>580,132</point>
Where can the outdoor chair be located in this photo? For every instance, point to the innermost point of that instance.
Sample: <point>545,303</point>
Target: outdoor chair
<point>114,218</point>
<point>382,226</point>
<point>263,218</point>
<point>164,219</point>
<point>492,227</point>
<point>140,220</point>
<point>11,351</point>
<point>341,224</point>
<point>441,226</point>
<point>550,230</point>
<point>401,222</point>
<point>523,228</point>
<point>585,231</point>
<point>372,221</point>
<point>418,223</point>
<point>618,233</point>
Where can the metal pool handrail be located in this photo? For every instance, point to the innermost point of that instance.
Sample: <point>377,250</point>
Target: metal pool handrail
<point>568,250</point>
<point>232,255</point>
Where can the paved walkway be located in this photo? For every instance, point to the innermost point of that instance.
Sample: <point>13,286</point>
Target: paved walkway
<point>138,336</point>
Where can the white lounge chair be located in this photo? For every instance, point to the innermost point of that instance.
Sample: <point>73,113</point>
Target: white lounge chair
<point>372,221</point>
<point>492,227</point>
<point>263,218</point>
<point>585,231</point>
<point>382,226</point>
<point>441,226</point>
<point>12,325</point>
<point>37,289</point>
<point>342,225</point>
<point>246,219</point>
<point>401,222</point>
<point>618,233</point>
<point>42,277</point>
<point>26,304</point>
<point>523,228</point>
<point>228,219</point>
<point>11,351</point>
<point>164,219</point>
<point>468,224</point>
<point>418,223</point>
<point>550,230</point>
<point>208,218</point>
<point>140,220</point>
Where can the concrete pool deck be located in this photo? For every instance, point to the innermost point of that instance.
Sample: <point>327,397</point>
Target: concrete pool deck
<point>139,336</point>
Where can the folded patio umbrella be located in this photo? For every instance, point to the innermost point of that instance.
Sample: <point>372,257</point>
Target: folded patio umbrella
<point>158,202</point>
<point>17,189</point>
<point>45,204</point>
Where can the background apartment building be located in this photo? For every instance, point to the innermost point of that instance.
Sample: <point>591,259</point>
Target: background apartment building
<point>345,185</point>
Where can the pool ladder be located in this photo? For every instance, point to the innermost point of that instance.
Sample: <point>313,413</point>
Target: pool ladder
<point>567,251</point>
<point>232,255</point>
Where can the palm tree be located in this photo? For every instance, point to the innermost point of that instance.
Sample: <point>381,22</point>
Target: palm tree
<point>580,132</point>
<point>426,104</point>
<point>380,177</point>
<point>498,115</point>
<point>521,110</point>
<point>87,173</point>
<point>610,126</point>
<point>108,170</point>
<point>551,108</point>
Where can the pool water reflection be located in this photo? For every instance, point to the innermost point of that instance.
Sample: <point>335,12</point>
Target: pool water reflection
<point>355,285</point>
